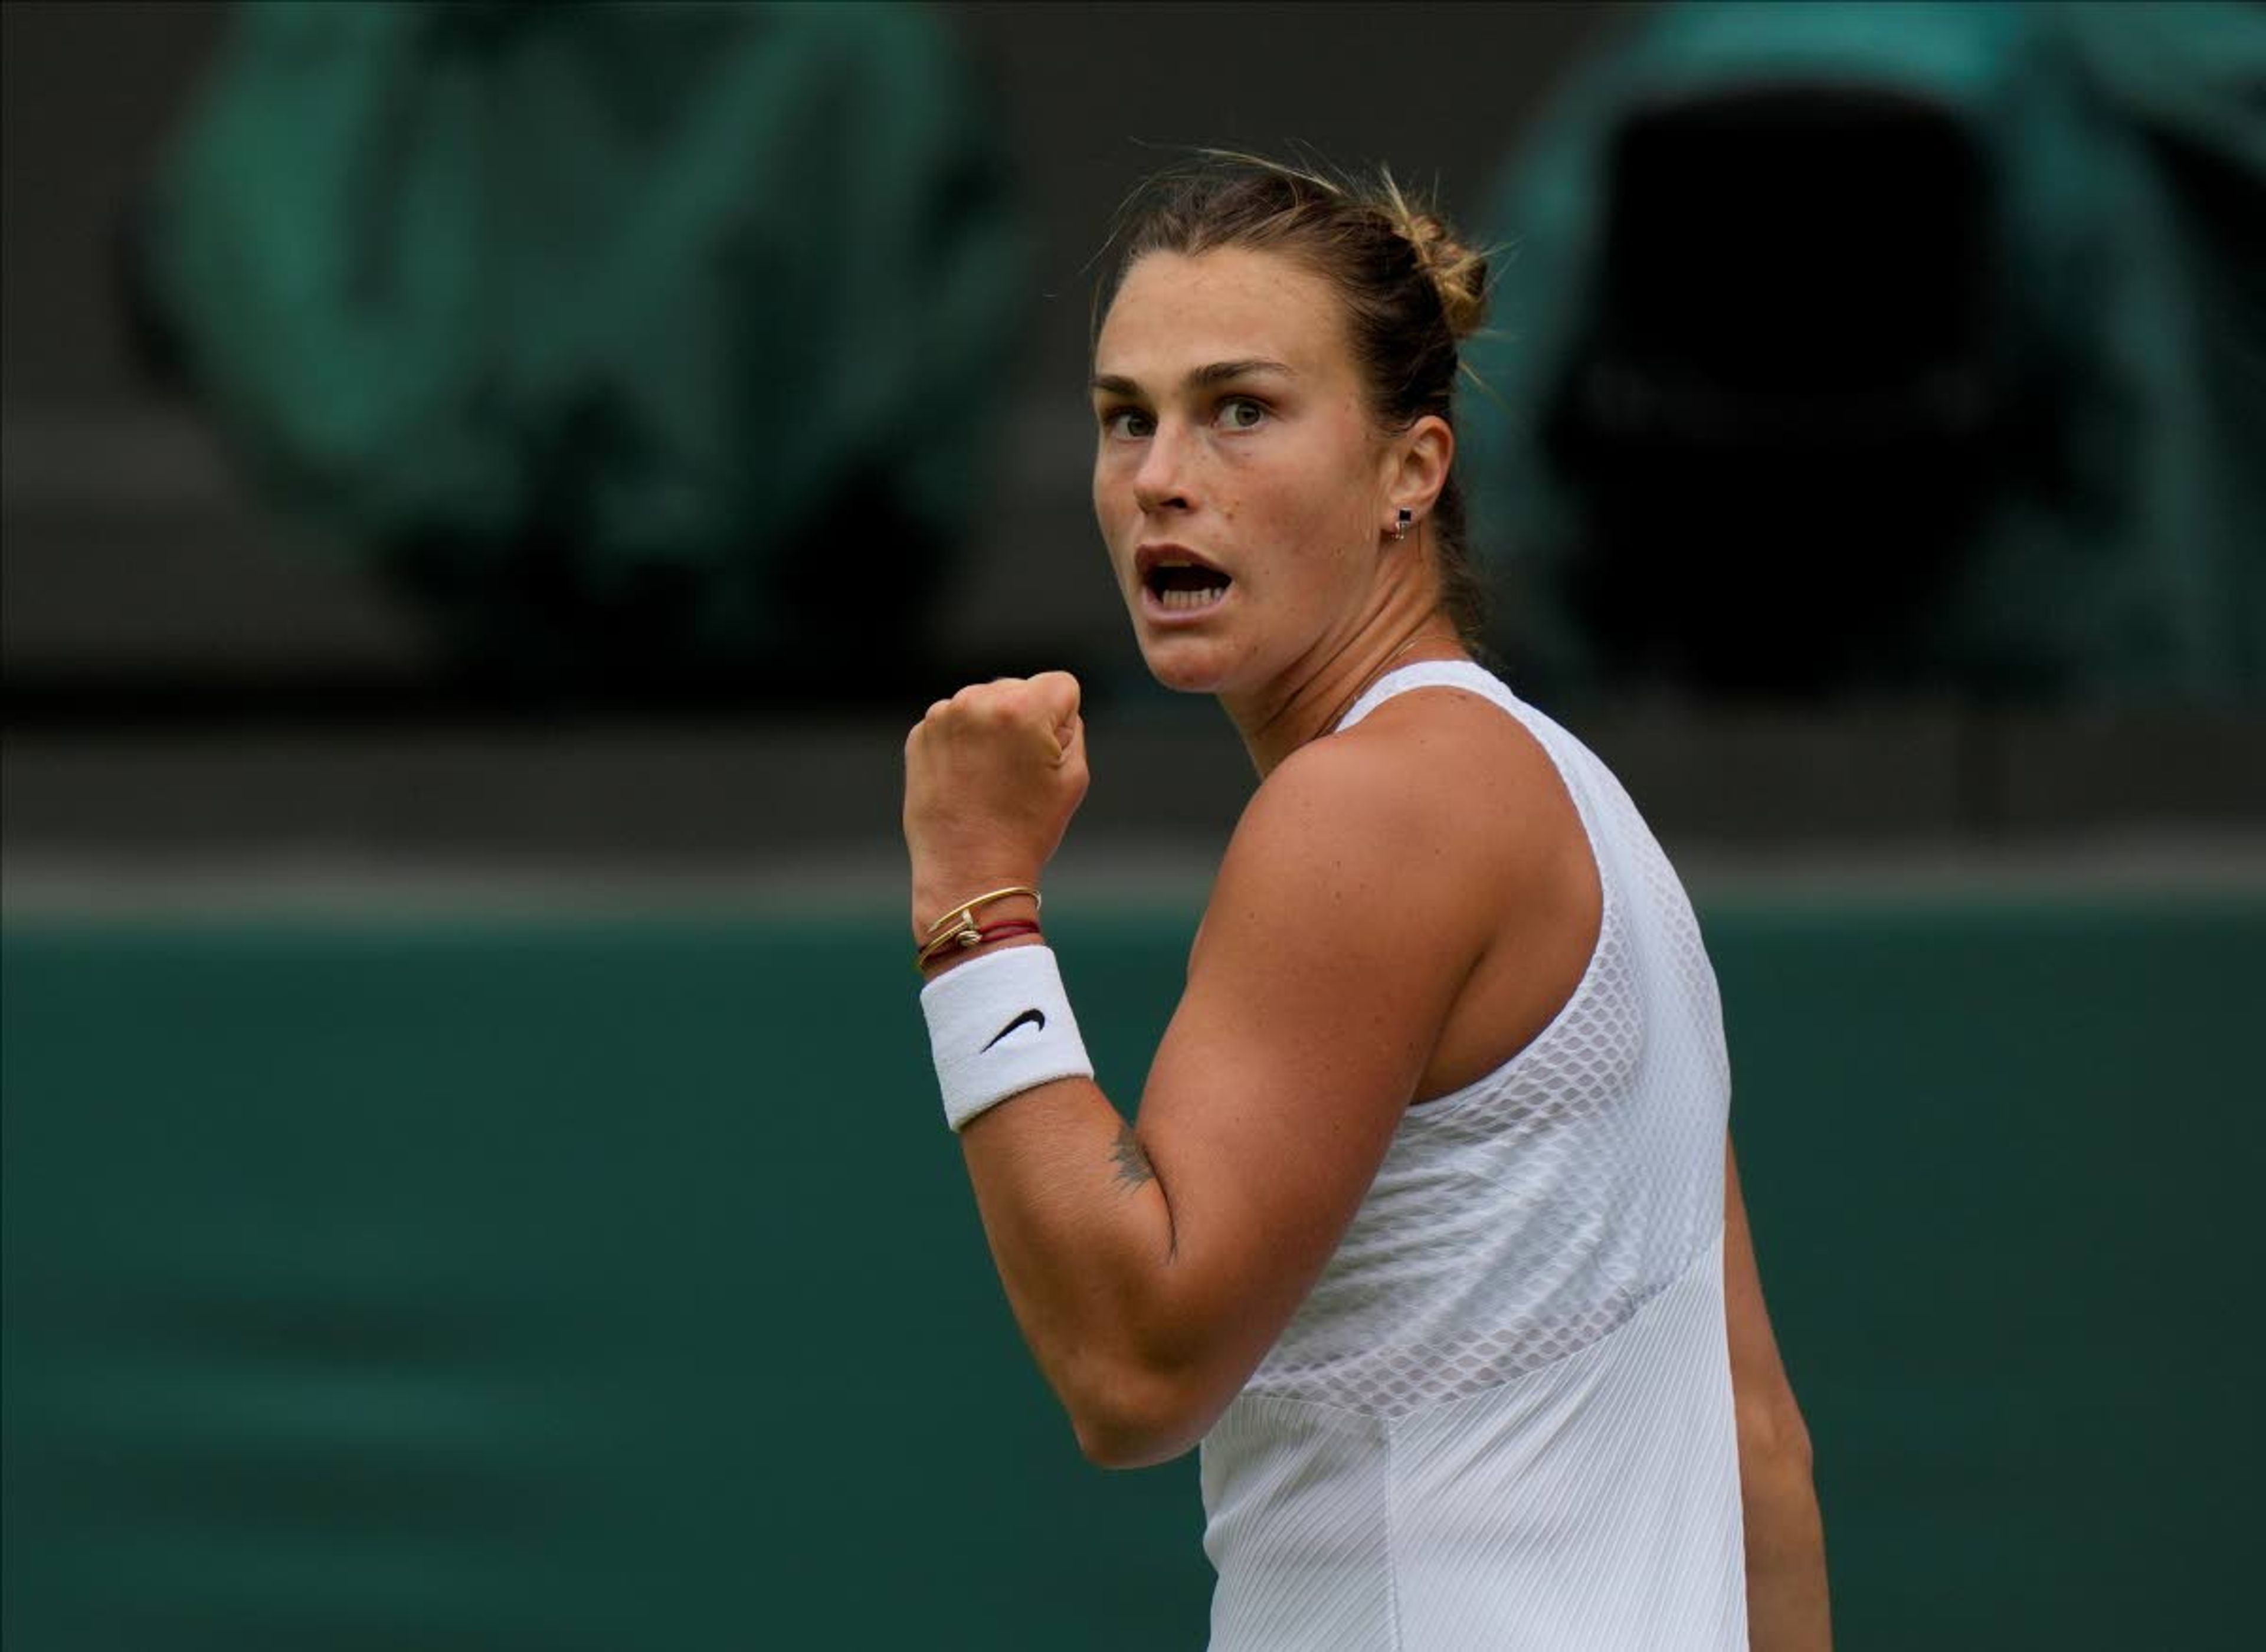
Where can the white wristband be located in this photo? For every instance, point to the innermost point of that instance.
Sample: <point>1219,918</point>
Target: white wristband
<point>997,1025</point>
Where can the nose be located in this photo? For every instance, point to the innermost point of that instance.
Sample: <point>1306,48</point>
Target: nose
<point>1161,481</point>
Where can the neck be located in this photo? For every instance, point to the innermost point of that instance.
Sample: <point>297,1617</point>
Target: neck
<point>1272,730</point>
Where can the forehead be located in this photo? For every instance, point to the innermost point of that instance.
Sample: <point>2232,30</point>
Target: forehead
<point>1175,311</point>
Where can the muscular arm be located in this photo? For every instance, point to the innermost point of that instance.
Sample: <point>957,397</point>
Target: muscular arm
<point>1151,1267</point>
<point>1372,879</point>
<point>1787,1607</point>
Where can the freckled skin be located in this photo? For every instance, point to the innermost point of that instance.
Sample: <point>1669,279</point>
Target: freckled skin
<point>1291,505</point>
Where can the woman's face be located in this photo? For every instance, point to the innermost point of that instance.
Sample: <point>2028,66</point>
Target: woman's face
<point>1240,484</point>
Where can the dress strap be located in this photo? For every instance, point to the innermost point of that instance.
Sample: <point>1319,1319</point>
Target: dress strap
<point>1463,674</point>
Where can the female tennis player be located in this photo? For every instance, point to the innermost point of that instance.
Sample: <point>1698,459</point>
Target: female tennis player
<point>1425,1229</point>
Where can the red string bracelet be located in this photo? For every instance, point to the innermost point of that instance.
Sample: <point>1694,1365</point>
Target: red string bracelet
<point>974,936</point>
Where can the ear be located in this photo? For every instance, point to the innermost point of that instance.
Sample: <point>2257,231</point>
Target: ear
<point>1418,468</point>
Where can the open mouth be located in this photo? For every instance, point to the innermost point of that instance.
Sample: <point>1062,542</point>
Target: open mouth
<point>1181,588</point>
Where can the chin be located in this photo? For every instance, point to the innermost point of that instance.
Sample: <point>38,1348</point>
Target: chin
<point>1184,665</point>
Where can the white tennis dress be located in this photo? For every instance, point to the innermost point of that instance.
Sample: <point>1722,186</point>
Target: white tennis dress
<point>1502,1419</point>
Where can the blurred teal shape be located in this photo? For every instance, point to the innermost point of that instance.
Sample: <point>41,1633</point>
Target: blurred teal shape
<point>619,331</point>
<point>1888,347</point>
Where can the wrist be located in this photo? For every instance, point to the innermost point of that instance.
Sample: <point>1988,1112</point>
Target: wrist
<point>933,903</point>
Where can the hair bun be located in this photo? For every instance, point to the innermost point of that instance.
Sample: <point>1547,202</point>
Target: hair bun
<point>1458,274</point>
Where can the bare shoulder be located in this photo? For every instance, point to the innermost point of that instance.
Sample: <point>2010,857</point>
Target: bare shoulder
<point>1451,737</point>
<point>1345,906</point>
<point>1436,781</point>
<point>1414,843</point>
<point>1434,846</point>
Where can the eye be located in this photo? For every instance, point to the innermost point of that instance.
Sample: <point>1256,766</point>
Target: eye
<point>1127,423</point>
<point>1241,412</point>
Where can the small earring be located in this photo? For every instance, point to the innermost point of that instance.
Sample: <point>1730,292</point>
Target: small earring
<point>1400,523</point>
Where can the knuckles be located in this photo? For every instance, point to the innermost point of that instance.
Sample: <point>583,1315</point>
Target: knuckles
<point>1048,702</point>
<point>1010,699</point>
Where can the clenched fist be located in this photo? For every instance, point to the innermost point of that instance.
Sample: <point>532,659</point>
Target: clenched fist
<point>992,775</point>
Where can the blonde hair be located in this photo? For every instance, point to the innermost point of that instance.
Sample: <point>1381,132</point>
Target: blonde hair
<point>1412,291</point>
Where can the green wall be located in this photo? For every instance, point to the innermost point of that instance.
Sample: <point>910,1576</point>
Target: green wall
<point>613,1284</point>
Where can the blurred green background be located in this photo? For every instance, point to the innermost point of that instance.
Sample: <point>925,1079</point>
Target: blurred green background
<point>547,1284</point>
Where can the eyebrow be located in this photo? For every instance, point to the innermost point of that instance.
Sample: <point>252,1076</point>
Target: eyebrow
<point>1212,373</point>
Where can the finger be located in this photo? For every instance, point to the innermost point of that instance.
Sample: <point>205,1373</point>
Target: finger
<point>1057,694</point>
<point>1070,738</point>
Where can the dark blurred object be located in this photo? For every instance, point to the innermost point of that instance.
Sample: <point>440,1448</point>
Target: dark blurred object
<point>1854,348</point>
<point>654,345</point>
<point>1717,391</point>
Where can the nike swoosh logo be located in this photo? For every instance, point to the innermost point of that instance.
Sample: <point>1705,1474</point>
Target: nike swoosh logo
<point>1028,1018</point>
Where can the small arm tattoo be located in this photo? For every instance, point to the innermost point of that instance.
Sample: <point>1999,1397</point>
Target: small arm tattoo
<point>1133,1166</point>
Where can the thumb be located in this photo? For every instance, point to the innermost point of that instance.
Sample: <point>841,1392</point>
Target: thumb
<point>1057,696</point>
<point>1070,738</point>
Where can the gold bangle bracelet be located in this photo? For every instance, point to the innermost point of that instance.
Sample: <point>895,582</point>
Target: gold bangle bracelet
<point>937,948</point>
<point>963,916</point>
